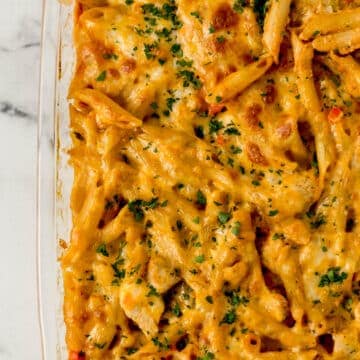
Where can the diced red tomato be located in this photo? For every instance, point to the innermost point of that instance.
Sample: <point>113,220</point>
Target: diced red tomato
<point>76,355</point>
<point>335,115</point>
<point>220,140</point>
<point>215,109</point>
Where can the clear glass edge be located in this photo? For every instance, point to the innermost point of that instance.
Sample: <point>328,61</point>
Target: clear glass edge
<point>54,173</point>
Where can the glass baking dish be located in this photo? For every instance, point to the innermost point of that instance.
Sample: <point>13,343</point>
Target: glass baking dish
<point>54,172</point>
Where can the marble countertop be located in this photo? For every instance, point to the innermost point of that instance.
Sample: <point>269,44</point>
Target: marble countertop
<point>19,72</point>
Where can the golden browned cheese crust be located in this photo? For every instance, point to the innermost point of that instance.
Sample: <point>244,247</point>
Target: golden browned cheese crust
<point>216,184</point>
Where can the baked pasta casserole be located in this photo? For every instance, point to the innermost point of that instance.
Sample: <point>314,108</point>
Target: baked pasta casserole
<point>215,203</point>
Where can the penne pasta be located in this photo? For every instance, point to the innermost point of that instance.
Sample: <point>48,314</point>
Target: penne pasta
<point>107,111</point>
<point>344,42</point>
<point>215,200</point>
<point>275,22</point>
<point>303,55</point>
<point>238,81</point>
<point>325,23</point>
<point>348,70</point>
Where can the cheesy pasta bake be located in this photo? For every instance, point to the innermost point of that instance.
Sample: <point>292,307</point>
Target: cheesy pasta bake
<point>215,203</point>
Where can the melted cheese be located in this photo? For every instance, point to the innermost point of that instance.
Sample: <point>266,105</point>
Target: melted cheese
<point>215,200</point>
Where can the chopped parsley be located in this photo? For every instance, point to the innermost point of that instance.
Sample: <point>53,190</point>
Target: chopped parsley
<point>101,249</point>
<point>215,125</point>
<point>315,165</point>
<point>184,63</point>
<point>196,15</point>
<point>235,149</point>
<point>102,76</point>
<point>151,9</point>
<point>208,356</point>
<point>176,50</point>
<point>223,217</point>
<point>152,291</point>
<point>229,317</point>
<point>161,345</point>
<point>131,351</point>
<point>201,198</point>
<point>260,8</point>
<point>189,77</point>
<point>236,228</point>
<point>235,299</point>
<point>273,212</point>
<point>332,276</point>
<point>199,259</point>
<point>239,6</point>
<point>167,12</point>
<point>154,105</point>
<point>109,56</point>
<point>318,221</point>
<point>148,50</point>
<point>347,304</point>
<point>176,310</point>
<point>232,131</point>
<point>137,207</point>
<point>278,236</point>
<point>170,103</point>
<point>118,273</point>
<point>164,33</point>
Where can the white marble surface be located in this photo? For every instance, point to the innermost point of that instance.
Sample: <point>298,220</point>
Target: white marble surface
<point>19,73</point>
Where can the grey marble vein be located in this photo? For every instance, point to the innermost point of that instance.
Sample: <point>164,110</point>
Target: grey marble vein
<point>30,45</point>
<point>24,46</point>
<point>11,110</point>
<point>19,71</point>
